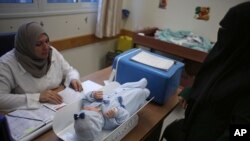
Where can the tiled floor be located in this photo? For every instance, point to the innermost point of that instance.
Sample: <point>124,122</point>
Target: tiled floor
<point>177,113</point>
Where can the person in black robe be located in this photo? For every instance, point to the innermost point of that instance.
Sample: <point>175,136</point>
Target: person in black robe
<point>219,97</point>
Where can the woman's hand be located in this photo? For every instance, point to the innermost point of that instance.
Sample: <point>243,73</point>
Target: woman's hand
<point>58,89</point>
<point>51,96</point>
<point>76,85</point>
<point>182,102</point>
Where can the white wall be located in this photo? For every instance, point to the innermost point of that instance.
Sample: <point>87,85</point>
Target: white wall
<point>89,58</point>
<point>58,27</point>
<point>86,59</point>
<point>179,15</point>
<point>143,13</point>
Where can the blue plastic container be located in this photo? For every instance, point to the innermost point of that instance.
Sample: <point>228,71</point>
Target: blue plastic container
<point>161,83</point>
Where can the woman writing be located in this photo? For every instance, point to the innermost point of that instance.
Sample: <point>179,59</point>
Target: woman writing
<point>34,71</point>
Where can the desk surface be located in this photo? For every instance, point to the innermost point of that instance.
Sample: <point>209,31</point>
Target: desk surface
<point>149,117</point>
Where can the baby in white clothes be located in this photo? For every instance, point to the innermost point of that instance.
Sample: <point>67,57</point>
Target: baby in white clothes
<point>109,110</point>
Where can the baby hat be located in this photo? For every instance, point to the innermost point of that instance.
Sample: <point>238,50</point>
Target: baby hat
<point>88,124</point>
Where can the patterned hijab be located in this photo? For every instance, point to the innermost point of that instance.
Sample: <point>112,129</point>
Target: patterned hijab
<point>25,41</point>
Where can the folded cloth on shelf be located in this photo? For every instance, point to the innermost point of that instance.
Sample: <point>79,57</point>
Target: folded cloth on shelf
<point>185,38</point>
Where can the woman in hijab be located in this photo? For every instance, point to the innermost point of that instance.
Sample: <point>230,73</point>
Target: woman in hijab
<point>219,97</point>
<point>34,71</point>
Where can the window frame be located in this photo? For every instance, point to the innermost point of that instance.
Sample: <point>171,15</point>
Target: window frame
<point>19,7</point>
<point>42,8</point>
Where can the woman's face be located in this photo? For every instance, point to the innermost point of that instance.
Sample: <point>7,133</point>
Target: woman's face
<point>42,47</point>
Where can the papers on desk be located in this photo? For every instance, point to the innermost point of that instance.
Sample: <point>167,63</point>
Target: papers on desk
<point>153,60</point>
<point>25,123</point>
<point>21,127</point>
<point>42,114</point>
<point>69,96</point>
<point>66,94</point>
<point>90,86</point>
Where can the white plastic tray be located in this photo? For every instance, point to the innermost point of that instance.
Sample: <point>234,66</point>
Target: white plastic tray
<point>63,125</point>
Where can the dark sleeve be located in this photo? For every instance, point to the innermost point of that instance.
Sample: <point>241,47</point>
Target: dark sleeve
<point>240,114</point>
<point>185,92</point>
<point>224,136</point>
<point>241,111</point>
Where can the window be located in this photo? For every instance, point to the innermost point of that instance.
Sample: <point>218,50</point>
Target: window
<point>70,1</point>
<point>49,1</point>
<point>62,1</point>
<point>16,1</point>
<point>16,8</point>
<point>89,0</point>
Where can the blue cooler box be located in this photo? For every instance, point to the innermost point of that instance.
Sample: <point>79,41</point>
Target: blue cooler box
<point>161,83</point>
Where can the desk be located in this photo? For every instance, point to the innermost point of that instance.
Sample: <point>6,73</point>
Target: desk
<point>151,117</point>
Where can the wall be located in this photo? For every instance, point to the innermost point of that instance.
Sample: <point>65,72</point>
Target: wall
<point>179,15</point>
<point>58,27</point>
<point>86,59</point>
<point>143,13</point>
<point>89,58</point>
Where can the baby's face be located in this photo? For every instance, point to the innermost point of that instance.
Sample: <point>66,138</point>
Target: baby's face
<point>91,109</point>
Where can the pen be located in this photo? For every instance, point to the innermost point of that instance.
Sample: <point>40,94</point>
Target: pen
<point>53,110</point>
<point>26,118</point>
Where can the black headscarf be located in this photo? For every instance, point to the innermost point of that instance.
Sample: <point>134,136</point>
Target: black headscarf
<point>224,75</point>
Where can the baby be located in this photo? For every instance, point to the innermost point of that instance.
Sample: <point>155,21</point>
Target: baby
<point>109,110</point>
